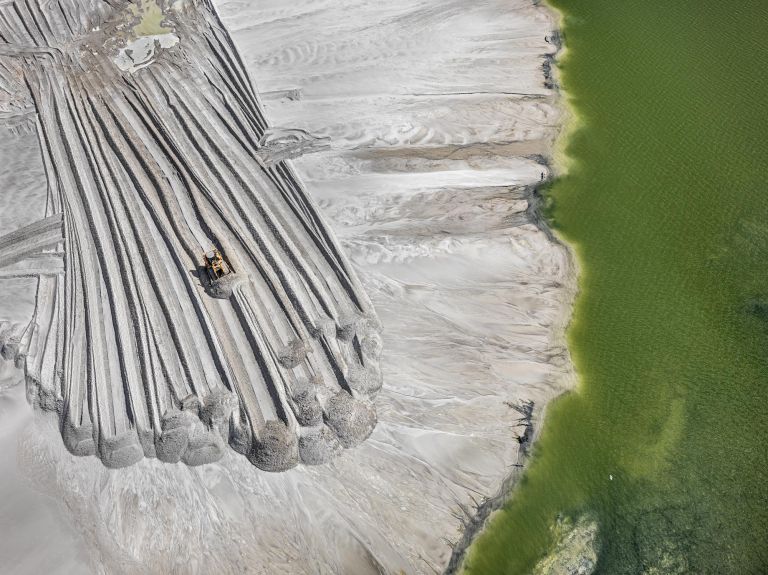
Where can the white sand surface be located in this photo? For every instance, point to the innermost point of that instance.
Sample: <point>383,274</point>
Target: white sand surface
<point>435,112</point>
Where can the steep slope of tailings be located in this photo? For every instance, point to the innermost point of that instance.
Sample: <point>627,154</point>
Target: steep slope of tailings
<point>150,136</point>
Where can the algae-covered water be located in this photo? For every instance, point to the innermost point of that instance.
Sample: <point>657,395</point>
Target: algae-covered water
<point>149,18</point>
<point>666,205</point>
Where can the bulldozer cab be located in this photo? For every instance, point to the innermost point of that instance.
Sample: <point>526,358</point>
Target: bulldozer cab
<point>215,264</point>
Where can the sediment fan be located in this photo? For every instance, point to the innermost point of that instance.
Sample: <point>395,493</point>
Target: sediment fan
<point>150,166</point>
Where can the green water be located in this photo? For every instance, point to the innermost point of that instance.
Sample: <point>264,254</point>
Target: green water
<point>666,204</point>
<point>150,18</point>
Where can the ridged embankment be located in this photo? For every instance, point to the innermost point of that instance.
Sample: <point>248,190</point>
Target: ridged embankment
<point>136,349</point>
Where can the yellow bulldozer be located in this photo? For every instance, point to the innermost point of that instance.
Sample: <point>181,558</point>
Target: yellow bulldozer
<point>215,265</point>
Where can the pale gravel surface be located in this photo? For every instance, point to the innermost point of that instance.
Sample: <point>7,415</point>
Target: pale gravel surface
<point>422,187</point>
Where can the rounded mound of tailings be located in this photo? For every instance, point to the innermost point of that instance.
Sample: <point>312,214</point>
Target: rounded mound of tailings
<point>276,450</point>
<point>351,419</point>
<point>174,438</point>
<point>191,403</point>
<point>204,446</point>
<point>372,345</point>
<point>372,324</point>
<point>217,408</point>
<point>366,380</point>
<point>225,286</point>
<point>39,396</point>
<point>78,439</point>
<point>293,354</point>
<point>347,328</point>
<point>121,451</point>
<point>323,328</point>
<point>319,446</point>
<point>308,411</point>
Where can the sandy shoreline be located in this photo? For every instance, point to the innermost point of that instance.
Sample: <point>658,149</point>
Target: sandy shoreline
<point>430,122</point>
<point>476,523</point>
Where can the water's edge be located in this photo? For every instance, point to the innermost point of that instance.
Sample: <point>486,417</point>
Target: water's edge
<point>476,520</point>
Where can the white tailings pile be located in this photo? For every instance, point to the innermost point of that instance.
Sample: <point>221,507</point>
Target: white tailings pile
<point>149,166</point>
<point>433,117</point>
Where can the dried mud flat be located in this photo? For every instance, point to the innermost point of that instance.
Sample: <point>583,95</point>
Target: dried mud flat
<point>419,130</point>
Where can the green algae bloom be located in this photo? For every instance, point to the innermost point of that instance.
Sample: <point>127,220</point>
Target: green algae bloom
<point>666,204</point>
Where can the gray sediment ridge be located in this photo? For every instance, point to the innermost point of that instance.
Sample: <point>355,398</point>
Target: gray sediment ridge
<point>135,349</point>
<point>475,520</point>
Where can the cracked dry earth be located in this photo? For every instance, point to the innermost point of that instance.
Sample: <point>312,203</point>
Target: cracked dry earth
<point>418,129</point>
